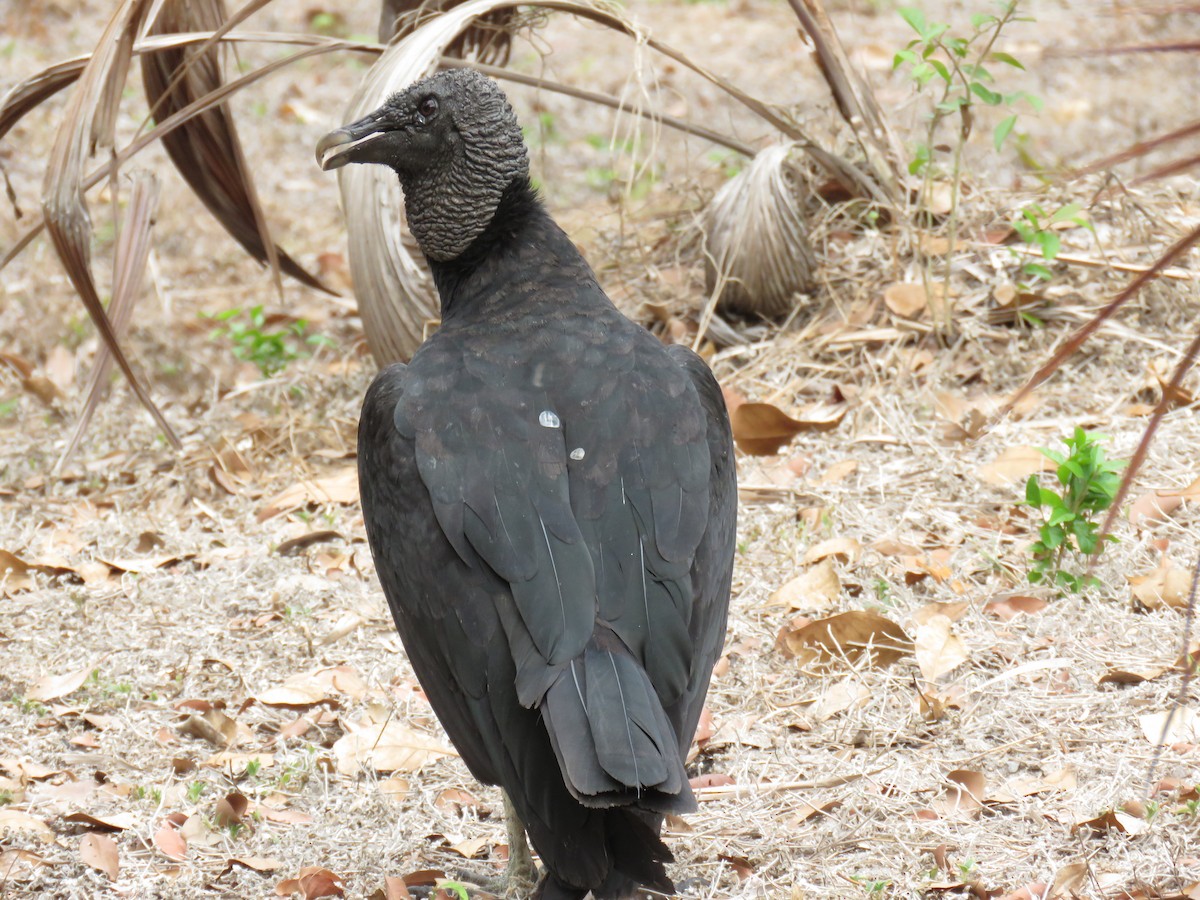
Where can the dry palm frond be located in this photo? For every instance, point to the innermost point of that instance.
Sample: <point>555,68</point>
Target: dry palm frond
<point>89,120</point>
<point>488,41</point>
<point>756,250</point>
<point>129,266</point>
<point>206,150</point>
<point>855,100</point>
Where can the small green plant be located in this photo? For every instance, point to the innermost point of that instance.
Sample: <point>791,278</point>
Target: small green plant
<point>1089,482</point>
<point>873,886</point>
<point>6,797</point>
<point>271,351</point>
<point>253,767</point>
<point>954,68</point>
<point>195,791</point>
<point>966,869</point>
<point>459,890</point>
<point>1034,227</point>
<point>1190,808</point>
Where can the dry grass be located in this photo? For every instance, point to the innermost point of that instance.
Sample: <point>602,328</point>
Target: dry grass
<point>233,617</point>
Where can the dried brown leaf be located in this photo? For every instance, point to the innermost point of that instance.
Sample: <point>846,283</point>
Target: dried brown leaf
<point>312,883</point>
<point>100,852</point>
<point>52,687</point>
<point>813,590</point>
<point>761,429</point>
<point>391,747</point>
<point>938,649</point>
<point>1013,465</point>
<point>1167,586</point>
<point>849,636</point>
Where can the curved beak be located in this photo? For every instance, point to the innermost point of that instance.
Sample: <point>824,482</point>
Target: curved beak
<point>354,142</point>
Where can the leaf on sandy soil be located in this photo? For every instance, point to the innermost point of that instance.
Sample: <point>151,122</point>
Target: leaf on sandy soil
<point>1061,781</point>
<point>231,809</point>
<point>918,568</point>
<point>395,788</point>
<point>1167,586</point>
<point>16,820</point>
<point>1014,465</point>
<point>292,545</point>
<point>965,790</point>
<point>393,888</point>
<point>839,471</point>
<point>849,693</point>
<point>1008,608</point>
<point>741,866</point>
<point>906,299</point>
<point>169,841</point>
<point>21,865</point>
<point>1153,507</point>
<point>51,687</point>
<point>214,727</point>
<point>469,849</point>
<point>283,816</point>
<point>253,863</point>
<point>1191,492</point>
<point>953,611</point>
<point>390,747</point>
<point>937,648</point>
<point>109,822</point>
<point>27,770</point>
<point>761,429</point>
<point>814,590</point>
<point>455,802</point>
<point>145,565</point>
<point>846,549</point>
<point>1112,820</point>
<point>340,487</point>
<point>313,882</point>
<point>1130,674</point>
<point>1067,879</point>
<point>100,852</point>
<point>1174,726</point>
<point>15,573</point>
<point>849,636</point>
<point>808,810</point>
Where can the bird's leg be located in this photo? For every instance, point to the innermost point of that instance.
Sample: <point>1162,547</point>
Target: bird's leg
<point>522,874</point>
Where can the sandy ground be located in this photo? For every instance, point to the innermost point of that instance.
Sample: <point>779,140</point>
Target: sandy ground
<point>200,635</point>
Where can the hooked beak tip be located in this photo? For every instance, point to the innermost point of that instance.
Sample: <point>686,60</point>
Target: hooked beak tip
<point>331,149</point>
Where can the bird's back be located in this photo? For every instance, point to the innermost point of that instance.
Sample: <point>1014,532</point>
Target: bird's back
<point>550,498</point>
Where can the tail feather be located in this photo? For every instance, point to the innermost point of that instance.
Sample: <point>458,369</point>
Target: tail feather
<point>613,741</point>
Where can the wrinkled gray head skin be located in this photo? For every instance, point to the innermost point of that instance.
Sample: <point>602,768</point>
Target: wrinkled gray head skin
<point>455,143</point>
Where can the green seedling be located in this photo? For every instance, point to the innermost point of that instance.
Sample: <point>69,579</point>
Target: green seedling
<point>1070,526</point>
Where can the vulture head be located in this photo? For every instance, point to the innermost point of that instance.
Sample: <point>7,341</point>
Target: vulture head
<point>454,142</point>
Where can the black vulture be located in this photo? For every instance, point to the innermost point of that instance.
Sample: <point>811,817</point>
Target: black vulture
<point>550,499</point>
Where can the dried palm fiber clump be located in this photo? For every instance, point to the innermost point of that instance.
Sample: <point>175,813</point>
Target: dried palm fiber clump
<point>756,246</point>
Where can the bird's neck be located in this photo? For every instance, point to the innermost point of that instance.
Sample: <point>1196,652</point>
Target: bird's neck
<point>487,278</point>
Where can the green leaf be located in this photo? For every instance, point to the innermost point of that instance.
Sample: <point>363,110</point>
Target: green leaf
<point>1003,130</point>
<point>914,17</point>
<point>941,69</point>
<point>986,94</point>
<point>902,57</point>
<point>1060,515</point>
<point>1050,244</point>
<point>1033,493</point>
<point>1066,213</point>
<point>1006,59</point>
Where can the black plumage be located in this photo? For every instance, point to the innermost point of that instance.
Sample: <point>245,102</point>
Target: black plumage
<point>550,499</point>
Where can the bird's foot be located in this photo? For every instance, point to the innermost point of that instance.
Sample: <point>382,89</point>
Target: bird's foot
<point>521,873</point>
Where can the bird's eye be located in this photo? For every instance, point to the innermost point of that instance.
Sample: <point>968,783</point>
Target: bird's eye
<point>427,108</point>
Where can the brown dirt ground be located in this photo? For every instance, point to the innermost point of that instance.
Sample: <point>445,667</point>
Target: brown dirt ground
<point>164,580</point>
